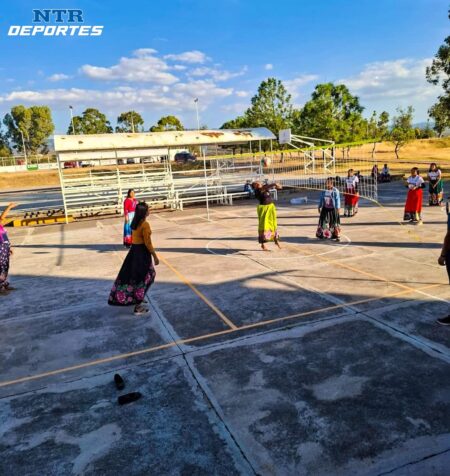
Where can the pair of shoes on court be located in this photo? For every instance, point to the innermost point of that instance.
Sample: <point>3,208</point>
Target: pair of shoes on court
<point>444,321</point>
<point>127,397</point>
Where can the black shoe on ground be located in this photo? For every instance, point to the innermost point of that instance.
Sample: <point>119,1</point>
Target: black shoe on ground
<point>118,380</point>
<point>129,397</point>
<point>444,321</point>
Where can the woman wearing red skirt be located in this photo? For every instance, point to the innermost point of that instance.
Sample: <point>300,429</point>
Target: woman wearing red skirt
<point>413,206</point>
<point>351,194</point>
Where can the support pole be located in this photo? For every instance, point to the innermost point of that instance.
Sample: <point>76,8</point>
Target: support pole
<point>61,181</point>
<point>206,183</point>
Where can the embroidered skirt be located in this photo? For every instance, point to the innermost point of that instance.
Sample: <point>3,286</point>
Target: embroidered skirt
<point>413,206</point>
<point>5,249</point>
<point>329,224</point>
<point>267,223</point>
<point>134,279</point>
<point>351,199</point>
<point>127,230</point>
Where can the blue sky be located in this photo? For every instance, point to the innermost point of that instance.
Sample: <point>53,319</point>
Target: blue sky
<point>157,56</point>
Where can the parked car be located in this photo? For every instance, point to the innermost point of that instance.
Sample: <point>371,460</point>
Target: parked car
<point>184,157</point>
<point>70,165</point>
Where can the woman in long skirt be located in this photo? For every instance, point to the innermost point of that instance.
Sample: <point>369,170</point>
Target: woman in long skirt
<point>413,206</point>
<point>267,214</point>
<point>329,209</point>
<point>129,207</point>
<point>351,195</point>
<point>5,252</point>
<point>435,186</point>
<point>137,273</point>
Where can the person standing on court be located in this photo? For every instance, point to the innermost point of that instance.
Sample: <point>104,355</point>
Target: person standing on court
<point>329,209</point>
<point>5,252</point>
<point>137,273</point>
<point>267,214</point>
<point>435,187</point>
<point>129,207</point>
<point>351,195</point>
<point>413,206</point>
<point>444,260</point>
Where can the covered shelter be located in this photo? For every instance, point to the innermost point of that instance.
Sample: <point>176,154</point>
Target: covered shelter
<point>96,170</point>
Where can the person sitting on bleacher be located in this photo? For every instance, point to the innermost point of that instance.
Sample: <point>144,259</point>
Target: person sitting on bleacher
<point>385,175</point>
<point>249,189</point>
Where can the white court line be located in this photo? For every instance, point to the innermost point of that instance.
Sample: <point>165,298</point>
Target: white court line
<point>437,298</point>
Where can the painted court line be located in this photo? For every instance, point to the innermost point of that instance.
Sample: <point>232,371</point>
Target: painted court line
<point>201,337</point>
<point>343,265</point>
<point>200,294</point>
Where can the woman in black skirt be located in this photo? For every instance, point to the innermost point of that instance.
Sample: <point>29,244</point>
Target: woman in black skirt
<point>137,273</point>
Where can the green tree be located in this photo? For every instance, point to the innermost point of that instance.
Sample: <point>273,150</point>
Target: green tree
<point>402,130</point>
<point>440,113</point>
<point>239,123</point>
<point>332,113</point>
<point>5,149</point>
<point>377,128</point>
<point>271,107</point>
<point>167,123</point>
<point>92,121</point>
<point>439,73</point>
<point>34,124</point>
<point>130,121</point>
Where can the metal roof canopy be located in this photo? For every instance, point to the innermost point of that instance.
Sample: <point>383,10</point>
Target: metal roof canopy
<point>146,140</point>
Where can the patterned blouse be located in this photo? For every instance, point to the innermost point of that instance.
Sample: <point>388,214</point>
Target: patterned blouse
<point>3,235</point>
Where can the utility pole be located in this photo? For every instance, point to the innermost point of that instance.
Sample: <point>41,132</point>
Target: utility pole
<point>71,118</point>
<point>196,109</point>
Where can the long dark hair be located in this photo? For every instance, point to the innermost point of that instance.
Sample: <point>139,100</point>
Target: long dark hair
<point>139,214</point>
<point>129,192</point>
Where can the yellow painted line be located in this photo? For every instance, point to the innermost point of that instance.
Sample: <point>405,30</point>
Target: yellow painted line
<point>200,294</point>
<point>40,221</point>
<point>189,340</point>
<point>336,306</point>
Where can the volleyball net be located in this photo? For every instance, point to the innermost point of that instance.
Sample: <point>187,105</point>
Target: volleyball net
<point>303,169</point>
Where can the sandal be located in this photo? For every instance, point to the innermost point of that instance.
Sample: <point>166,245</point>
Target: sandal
<point>140,310</point>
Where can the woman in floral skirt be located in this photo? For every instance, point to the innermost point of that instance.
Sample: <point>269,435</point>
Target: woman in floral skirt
<point>137,273</point>
<point>5,252</point>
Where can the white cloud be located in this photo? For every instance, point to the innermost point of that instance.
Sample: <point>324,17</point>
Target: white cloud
<point>293,85</point>
<point>144,66</point>
<point>193,57</point>
<point>58,77</point>
<point>268,66</point>
<point>398,79</point>
<point>216,74</point>
<point>237,108</point>
<point>242,94</point>
<point>178,97</point>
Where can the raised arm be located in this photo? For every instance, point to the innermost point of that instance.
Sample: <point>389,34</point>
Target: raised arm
<point>270,186</point>
<point>6,211</point>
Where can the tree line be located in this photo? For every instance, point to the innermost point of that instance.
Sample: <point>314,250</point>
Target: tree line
<point>30,128</point>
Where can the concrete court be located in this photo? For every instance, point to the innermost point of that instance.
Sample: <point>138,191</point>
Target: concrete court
<point>319,359</point>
